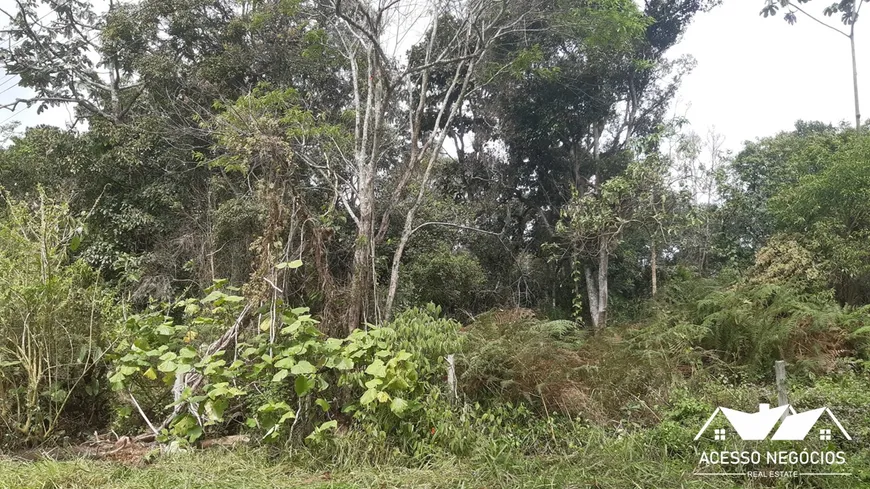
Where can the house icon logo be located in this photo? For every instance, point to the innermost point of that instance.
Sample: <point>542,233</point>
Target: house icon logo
<point>757,426</point>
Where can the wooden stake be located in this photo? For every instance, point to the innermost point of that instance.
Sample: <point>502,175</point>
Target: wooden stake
<point>451,377</point>
<point>781,387</point>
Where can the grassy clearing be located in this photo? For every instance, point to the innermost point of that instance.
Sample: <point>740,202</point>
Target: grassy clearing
<point>632,461</point>
<point>254,470</point>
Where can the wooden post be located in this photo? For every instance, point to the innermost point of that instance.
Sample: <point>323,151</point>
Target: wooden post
<point>451,377</point>
<point>781,387</point>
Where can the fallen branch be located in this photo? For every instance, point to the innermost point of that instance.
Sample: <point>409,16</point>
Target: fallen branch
<point>142,413</point>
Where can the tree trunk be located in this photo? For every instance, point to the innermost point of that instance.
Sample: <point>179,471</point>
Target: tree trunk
<point>365,160</point>
<point>394,271</point>
<point>361,279</point>
<point>603,265</point>
<point>855,73</point>
<point>653,266</point>
<point>437,142</point>
<point>592,292</point>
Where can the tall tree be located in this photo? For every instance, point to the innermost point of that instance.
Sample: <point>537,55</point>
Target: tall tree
<point>378,80</point>
<point>848,10</point>
<point>53,54</point>
<point>587,89</point>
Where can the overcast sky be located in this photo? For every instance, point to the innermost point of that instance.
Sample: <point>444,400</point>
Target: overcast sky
<point>755,76</point>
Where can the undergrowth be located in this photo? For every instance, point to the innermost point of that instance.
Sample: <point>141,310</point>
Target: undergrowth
<point>545,404</point>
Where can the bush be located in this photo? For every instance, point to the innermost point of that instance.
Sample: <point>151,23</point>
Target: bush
<point>53,318</point>
<point>755,325</point>
<point>200,360</point>
<point>511,356</point>
<point>452,279</point>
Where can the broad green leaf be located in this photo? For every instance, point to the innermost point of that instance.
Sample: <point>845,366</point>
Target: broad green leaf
<point>302,385</point>
<point>377,368</point>
<point>289,264</point>
<point>214,409</point>
<point>281,375</point>
<point>273,406</point>
<point>329,425</point>
<point>286,416</point>
<point>194,433</point>
<point>285,362</point>
<point>344,363</point>
<point>165,330</point>
<point>117,378</point>
<point>303,367</point>
<point>187,352</point>
<point>397,383</point>
<point>170,355</point>
<point>215,295</point>
<point>167,366</point>
<point>266,324</point>
<point>398,406</point>
<point>369,396</point>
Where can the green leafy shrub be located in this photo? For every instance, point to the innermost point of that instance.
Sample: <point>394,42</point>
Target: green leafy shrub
<point>451,279</point>
<point>429,337</point>
<point>200,359</point>
<point>555,368</point>
<point>411,407</point>
<point>828,213</point>
<point>784,261</point>
<point>755,325</point>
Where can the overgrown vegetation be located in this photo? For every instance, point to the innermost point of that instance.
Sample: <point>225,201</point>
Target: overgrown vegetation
<point>260,239</point>
<point>55,314</point>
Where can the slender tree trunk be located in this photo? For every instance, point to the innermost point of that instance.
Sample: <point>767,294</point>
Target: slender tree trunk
<point>394,271</point>
<point>592,292</point>
<point>435,148</point>
<point>597,288</point>
<point>361,279</point>
<point>365,160</point>
<point>603,266</point>
<point>653,266</point>
<point>598,291</point>
<point>855,73</point>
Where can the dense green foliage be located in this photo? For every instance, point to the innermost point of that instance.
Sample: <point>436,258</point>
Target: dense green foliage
<point>496,251</point>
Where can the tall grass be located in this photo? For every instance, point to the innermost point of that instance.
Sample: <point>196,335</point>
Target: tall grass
<point>52,317</point>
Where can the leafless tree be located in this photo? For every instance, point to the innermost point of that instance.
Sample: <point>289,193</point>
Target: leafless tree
<point>382,82</point>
